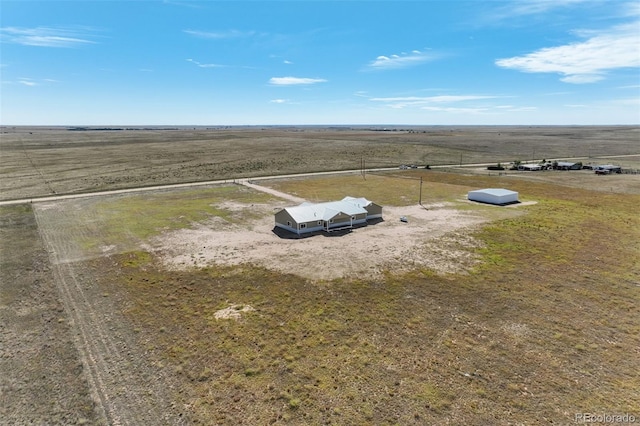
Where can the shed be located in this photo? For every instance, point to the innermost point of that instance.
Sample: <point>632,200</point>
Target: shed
<point>498,196</point>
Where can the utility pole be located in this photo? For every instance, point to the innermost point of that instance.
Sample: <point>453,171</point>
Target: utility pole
<point>364,169</point>
<point>420,201</point>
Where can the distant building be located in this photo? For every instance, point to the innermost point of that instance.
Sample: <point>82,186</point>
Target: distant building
<point>497,196</point>
<point>607,169</point>
<point>564,165</point>
<point>327,217</point>
<point>529,167</point>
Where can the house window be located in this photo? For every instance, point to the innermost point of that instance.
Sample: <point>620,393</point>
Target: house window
<point>319,222</point>
<point>330,220</point>
<point>303,225</point>
<point>353,218</point>
<point>288,223</point>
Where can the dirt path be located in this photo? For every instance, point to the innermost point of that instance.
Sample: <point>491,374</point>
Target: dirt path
<point>41,378</point>
<point>283,195</point>
<point>126,390</point>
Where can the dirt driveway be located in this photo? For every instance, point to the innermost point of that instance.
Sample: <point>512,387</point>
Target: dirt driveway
<point>432,238</point>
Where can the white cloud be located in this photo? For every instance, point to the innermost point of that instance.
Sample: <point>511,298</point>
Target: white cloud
<point>628,101</point>
<point>30,82</point>
<point>293,81</point>
<point>413,101</point>
<point>46,36</point>
<point>450,104</point>
<point>27,82</point>
<point>278,101</point>
<point>587,61</point>
<point>456,110</point>
<point>219,35</point>
<point>399,61</point>
<point>201,65</point>
<point>530,7</point>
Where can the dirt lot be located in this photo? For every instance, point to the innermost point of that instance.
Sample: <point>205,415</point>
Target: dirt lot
<point>466,314</point>
<point>365,252</point>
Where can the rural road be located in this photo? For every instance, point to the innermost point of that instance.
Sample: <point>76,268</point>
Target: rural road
<point>179,185</point>
<point>249,180</point>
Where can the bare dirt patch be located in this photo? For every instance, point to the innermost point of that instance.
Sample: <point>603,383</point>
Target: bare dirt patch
<point>428,240</point>
<point>232,312</point>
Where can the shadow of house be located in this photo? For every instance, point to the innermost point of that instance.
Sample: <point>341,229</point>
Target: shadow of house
<point>329,218</point>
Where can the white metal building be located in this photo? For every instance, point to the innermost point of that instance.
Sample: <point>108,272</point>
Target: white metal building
<point>498,196</point>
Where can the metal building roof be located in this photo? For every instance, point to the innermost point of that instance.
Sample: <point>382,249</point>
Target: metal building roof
<point>497,192</point>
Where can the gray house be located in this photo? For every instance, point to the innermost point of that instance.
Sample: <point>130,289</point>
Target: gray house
<point>330,216</point>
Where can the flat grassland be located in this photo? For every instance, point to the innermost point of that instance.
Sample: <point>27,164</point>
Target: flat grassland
<point>182,307</point>
<point>46,161</point>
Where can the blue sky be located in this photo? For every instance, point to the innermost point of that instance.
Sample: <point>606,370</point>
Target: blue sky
<point>456,62</point>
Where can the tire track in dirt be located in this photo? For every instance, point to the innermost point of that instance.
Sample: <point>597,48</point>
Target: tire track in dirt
<point>126,390</point>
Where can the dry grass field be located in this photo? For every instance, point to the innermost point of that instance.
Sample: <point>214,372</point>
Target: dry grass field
<point>182,307</point>
<point>44,161</point>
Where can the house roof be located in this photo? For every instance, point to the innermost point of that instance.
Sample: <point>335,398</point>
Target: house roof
<point>308,212</point>
<point>361,202</point>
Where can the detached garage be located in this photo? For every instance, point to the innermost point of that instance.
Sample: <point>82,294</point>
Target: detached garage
<point>497,196</point>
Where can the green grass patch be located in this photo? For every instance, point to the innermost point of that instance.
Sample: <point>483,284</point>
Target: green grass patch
<point>130,219</point>
<point>392,189</point>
